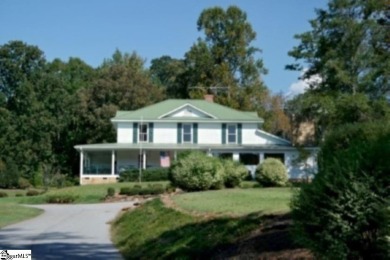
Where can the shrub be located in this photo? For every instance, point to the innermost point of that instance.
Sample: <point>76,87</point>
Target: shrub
<point>271,172</point>
<point>110,192</point>
<point>23,183</point>
<point>61,198</point>
<point>19,195</point>
<point>234,173</point>
<point>152,174</point>
<point>124,190</point>
<point>9,174</point>
<point>3,194</point>
<point>197,171</point>
<point>33,193</point>
<point>344,213</point>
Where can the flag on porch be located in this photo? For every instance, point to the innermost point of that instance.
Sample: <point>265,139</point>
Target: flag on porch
<point>165,160</point>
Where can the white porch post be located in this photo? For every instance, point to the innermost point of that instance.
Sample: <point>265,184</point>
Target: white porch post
<point>143,159</point>
<point>81,166</point>
<point>236,157</point>
<point>175,155</point>
<point>112,162</point>
<point>261,157</point>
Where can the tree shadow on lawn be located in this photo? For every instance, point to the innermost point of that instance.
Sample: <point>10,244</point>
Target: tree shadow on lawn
<point>222,238</point>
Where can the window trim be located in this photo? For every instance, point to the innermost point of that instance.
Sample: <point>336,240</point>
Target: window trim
<point>235,134</point>
<point>140,133</point>
<point>191,133</point>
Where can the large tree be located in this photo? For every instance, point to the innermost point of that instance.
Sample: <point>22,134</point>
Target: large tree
<point>225,62</point>
<point>122,83</point>
<point>347,47</point>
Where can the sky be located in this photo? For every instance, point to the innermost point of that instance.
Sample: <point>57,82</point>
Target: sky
<point>93,29</point>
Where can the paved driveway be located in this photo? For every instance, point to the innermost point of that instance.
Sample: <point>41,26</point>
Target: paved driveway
<point>66,232</point>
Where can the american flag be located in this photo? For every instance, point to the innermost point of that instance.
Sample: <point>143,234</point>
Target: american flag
<point>165,161</point>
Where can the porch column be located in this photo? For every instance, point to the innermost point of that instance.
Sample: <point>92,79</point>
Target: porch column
<point>236,157</point>
<point>81,166</point>
<point>175,155</point>
<point>261,157</point>
<point>143,159</point>
<point>112,162</point>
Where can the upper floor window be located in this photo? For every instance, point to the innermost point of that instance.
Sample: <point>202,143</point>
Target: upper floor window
<point>187,133</point>
<point>143,133</point>
<point>232,133</point>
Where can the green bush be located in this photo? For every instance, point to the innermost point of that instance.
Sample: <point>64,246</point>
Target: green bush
<point>234,173</point>
<point>152,174</point>
<point>23,183</point>
<point>61,198</point>
<point>110,192</point>
<point>3,194</point>
<point>197,171</point>
<point>272,172</point>
<point>124,190</point>
<point>33,193</point>
<point>9,174</point>
<point>19,195</point>
<point>345,212</point>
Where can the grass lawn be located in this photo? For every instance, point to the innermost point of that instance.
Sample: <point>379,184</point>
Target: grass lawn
<point>13,213</point>
<point>236,201</point>
<point>155,231</point>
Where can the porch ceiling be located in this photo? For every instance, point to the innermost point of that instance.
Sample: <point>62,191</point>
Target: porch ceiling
<point>153,146</point>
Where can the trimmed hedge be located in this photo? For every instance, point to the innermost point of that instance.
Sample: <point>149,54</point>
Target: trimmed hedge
<point>196,171</point>
<point>152,174</point>
<point>61,198</point>
<point>154,189</point>
<point>271,173</point>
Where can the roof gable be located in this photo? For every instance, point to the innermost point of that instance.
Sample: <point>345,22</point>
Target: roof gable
<point>187,111</point>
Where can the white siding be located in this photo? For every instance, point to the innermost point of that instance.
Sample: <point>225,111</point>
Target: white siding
<point>209,133</point>
<point>125,133</point>
<point>250,135</point>
<point>165,133</point>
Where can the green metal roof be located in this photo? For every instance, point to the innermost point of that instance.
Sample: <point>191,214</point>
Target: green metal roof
<point>215,111</point>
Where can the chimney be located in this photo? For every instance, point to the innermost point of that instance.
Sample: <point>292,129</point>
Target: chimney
<point>209,98</point>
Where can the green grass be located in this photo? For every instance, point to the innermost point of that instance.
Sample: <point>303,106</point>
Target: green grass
<point>153,231</point>
<point>13,213</point>
<point>83,194</point>
<point>236,201</point>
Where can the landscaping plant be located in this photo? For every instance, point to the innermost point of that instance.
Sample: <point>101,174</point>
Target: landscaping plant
<point>197,171</point>
<point>345,212</point>
<point>234,173</point>
<point>272,173</point>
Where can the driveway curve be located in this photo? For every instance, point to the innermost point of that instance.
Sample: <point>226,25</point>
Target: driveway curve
<point>66,232</point>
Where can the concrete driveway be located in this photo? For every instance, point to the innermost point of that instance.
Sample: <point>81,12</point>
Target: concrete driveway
<point>66,232</point>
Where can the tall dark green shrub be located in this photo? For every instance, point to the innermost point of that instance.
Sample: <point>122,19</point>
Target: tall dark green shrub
<point>345,212</point>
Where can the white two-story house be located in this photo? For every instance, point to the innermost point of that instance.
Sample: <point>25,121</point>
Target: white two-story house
<point>153,136</point>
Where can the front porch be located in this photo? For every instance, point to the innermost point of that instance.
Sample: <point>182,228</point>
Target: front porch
<point>104,163</point>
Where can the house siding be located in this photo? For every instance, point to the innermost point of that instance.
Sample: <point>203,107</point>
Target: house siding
<point>125,133</point>
<point>209,133</point>
<point>165,133</point>
<point>250,135</point>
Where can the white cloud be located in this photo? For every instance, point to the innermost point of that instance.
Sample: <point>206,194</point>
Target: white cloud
<point>302,85</point>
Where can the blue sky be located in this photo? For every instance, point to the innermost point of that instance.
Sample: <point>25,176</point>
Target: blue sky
<point>92,30</point>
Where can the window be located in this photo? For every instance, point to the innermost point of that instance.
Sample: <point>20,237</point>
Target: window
<point>187,133</point>
<point>279,156</point>
<point>143,133</point>
<point>249,158</point>
<point>232,134</point>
